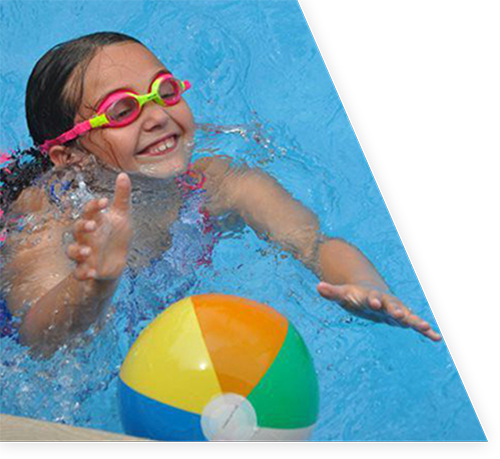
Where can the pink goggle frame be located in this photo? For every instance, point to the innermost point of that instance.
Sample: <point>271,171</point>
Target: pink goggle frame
<point>124,107</point>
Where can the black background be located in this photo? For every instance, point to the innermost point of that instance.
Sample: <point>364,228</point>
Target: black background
<point>402,74</point>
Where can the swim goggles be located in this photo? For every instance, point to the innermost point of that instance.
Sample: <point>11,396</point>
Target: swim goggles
<point>124,107</point>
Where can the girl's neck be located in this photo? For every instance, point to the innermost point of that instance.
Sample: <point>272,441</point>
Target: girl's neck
<point>147,192</point>
<point>152,200</point>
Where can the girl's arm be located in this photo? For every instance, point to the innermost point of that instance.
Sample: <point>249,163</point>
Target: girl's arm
<point>347,275</point>
<point>269,209</point>
<point>54,299</point>
<point>64,311</point>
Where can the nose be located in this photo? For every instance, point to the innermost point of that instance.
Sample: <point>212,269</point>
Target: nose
<point>154,117</point>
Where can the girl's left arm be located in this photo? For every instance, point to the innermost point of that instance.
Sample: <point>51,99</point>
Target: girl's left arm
<point>347,276</point>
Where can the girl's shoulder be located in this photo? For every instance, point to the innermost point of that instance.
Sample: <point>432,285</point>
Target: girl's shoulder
<point>221,182</point>
<point>31,200</point>
<point>47,196</point>
<point>213,166</point>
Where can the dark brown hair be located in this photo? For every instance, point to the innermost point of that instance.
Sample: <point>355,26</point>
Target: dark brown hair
<point>51,106</point>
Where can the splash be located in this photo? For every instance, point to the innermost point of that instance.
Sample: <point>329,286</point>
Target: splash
<point>253,143</point>
<point>5,160</point>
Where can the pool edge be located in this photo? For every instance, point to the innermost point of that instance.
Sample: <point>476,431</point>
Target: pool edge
<point>16,428</point>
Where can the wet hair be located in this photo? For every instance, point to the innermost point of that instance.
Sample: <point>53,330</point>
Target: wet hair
<point>53,95</point>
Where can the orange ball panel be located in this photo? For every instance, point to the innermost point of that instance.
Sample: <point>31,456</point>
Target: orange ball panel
<point>256,333</point>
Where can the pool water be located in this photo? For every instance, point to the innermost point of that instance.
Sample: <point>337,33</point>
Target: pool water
<point>261,94</point>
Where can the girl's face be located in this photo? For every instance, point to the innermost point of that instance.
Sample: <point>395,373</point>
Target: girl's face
<point>139,147</point>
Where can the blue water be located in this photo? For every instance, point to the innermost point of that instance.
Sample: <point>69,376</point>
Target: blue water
<point>256,71</point>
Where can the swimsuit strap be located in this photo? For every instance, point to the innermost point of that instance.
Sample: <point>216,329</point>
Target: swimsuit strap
<point>191,180</point>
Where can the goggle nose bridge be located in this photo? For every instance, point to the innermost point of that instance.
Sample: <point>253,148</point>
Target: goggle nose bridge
<point>152,96</point>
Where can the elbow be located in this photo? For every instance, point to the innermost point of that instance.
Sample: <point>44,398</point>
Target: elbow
<point>36,338</point>
<point>43,332</point>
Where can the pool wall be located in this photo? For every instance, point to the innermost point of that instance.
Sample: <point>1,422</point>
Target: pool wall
<point>16,428</point>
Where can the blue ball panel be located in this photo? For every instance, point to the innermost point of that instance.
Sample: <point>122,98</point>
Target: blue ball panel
<point>144,417</point>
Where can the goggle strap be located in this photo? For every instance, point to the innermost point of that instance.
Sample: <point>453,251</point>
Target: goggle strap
<point>77,131</point>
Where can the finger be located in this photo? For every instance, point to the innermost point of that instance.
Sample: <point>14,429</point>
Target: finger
<point>78,252</point>
<point>421,326</point>
<point>433,335</point>
<point>92,209</point>
<point>83,228</point>
<point>394,308</point>
<point>83,273</point>
<point>375,300</point>
<point>425,328</point>
<point>333,292</point>
<point>123,189</point>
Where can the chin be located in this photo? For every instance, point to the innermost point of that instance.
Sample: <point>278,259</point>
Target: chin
<point>170,168</point>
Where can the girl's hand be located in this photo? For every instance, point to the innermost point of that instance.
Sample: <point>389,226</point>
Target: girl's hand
<point>375,305</point>
<point>102,235</point>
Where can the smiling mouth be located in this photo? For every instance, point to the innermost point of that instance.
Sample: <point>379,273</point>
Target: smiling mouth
<point>163,147</point>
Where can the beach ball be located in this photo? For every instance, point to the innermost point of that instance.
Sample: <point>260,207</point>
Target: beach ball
<point>219,367</point>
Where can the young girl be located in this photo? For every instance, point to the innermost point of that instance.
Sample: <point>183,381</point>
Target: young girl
<point>103,104</point>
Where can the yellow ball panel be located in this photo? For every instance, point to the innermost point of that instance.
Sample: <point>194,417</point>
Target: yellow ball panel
<point>169,362</point>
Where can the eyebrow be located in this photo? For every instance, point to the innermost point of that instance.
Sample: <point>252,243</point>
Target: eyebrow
<point>105,96</point>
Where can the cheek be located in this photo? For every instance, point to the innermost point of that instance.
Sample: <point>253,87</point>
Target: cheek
<point>185,117</point>
<point>122,140</point>
<point>111,146</point>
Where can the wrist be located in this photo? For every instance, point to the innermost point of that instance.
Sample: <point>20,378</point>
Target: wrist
<point>342,263</point>
<point>102,285</point>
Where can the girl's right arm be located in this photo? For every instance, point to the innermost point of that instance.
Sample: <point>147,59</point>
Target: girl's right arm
<point>63,299</point>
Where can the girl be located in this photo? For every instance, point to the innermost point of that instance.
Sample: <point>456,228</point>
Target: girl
<point>103,104</point>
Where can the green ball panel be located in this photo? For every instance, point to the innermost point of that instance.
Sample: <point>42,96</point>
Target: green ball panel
<point>287,397</point>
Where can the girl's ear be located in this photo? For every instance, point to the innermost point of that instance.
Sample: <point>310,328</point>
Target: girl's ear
<point>63,156</point>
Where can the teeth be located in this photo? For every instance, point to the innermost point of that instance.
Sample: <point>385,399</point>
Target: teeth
<point>169,143</point>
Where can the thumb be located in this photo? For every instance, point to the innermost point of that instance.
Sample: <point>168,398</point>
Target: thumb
<point>333,292</point>
<point>123,190</point>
